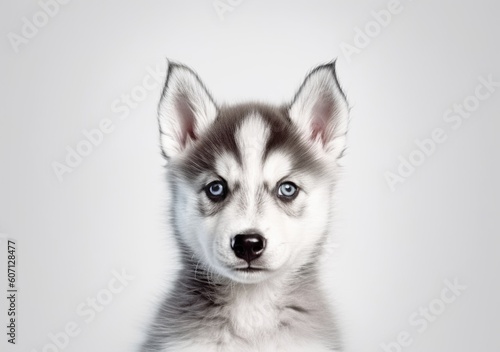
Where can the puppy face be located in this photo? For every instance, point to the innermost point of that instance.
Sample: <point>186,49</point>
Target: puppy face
<point>252,183</point>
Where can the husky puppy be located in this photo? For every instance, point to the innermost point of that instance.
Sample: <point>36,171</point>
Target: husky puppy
<point>251,187</point>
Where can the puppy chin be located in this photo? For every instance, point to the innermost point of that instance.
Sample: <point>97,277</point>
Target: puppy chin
<point>248,276</point>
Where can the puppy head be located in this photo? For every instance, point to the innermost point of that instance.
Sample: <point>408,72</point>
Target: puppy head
<point>252,183</point>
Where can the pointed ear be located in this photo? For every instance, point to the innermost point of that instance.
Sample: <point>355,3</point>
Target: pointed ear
<point>320,110</point>
<point>185,111</point>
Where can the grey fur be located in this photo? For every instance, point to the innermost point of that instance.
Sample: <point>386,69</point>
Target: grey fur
<point>221,137</point>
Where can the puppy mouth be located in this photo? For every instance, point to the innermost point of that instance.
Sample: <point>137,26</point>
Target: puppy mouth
<point>250,269</point>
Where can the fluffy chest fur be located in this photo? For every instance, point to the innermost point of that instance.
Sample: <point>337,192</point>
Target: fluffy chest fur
<point>284,315</point>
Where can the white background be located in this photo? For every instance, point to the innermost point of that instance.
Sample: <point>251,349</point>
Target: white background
<point>393,251</point>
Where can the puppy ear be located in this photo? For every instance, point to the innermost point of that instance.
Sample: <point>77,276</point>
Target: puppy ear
<point>320,110</point>
<point>185,111</point>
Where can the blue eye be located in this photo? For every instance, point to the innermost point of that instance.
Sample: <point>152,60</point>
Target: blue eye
<point>288,191</point>
<point>216,190</point>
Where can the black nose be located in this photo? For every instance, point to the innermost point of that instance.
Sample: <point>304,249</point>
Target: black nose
<point>248,247</point>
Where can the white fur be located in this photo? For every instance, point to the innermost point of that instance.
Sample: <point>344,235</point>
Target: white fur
<point>251,137</point>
